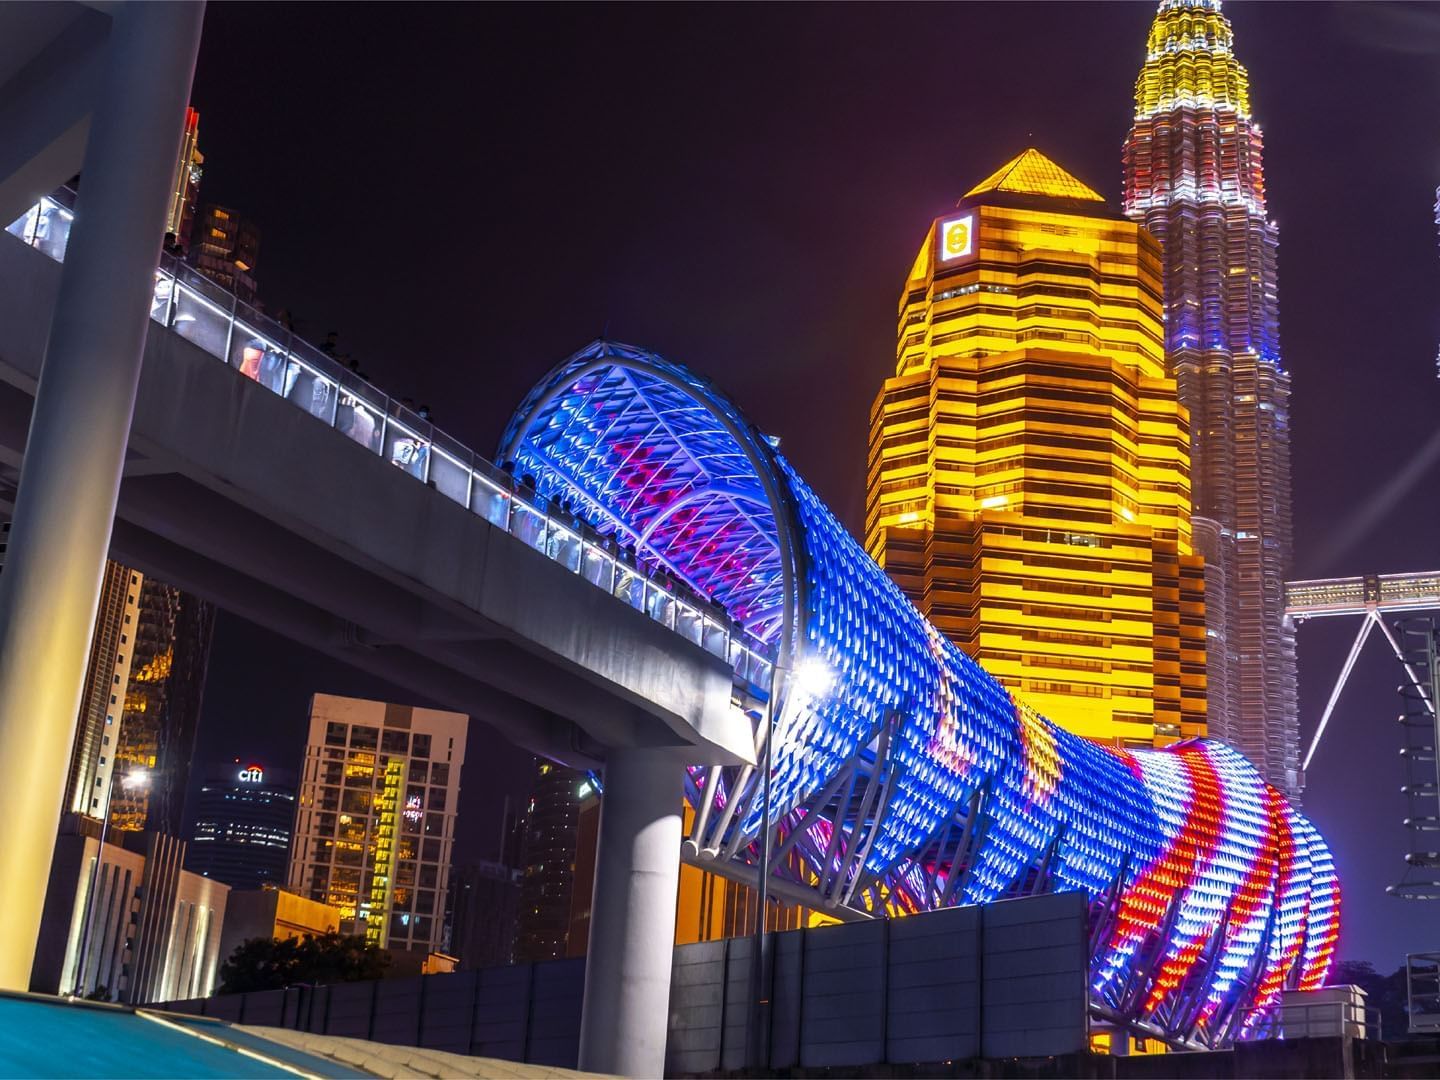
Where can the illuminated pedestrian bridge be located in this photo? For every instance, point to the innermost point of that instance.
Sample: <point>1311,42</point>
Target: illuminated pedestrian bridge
<point>901,777</point>
<point>905,778</point>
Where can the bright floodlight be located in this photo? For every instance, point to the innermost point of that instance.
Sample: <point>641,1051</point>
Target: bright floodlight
<point>813,677</point>
<point>135,778</point>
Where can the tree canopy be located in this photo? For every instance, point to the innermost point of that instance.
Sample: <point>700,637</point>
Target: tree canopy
<point>271,964</point>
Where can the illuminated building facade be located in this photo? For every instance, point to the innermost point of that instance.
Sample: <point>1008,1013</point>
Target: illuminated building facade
<point>102,701</point>
<point>185,189</point>
<point>154,928</point>
<point>226,249</point>
<point>903,777</point>
<point>167,645</point>
<point>1028,473</point>
<point>376,817</point>
<point>1194,177</point>
<point>242,828</point>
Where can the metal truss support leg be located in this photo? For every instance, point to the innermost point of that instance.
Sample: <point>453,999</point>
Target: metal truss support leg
<point>1366,625</point>
<point>632,916</point>
<point>65,505</point>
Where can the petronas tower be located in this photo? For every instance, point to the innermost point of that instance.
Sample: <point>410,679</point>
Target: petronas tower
<point>1194,177</point>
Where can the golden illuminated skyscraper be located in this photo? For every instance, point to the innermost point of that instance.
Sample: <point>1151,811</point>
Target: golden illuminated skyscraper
<point>1029,461</point>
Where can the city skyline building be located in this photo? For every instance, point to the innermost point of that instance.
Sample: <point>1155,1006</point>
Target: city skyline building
<point>375,817</point>
<point>1028,481</point>
<point>226,250</point>
<point>1194,176</point>
<point>141,929</point>
<point>273,913</point>
<point>242,827</point>
<point>185,189</point>
<point>483,901</point>
<point>168,647</point>
<point>102,702</point>
<point>549,849</point>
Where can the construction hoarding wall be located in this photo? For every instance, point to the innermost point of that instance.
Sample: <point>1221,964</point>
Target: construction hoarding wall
<point>1004,980</point>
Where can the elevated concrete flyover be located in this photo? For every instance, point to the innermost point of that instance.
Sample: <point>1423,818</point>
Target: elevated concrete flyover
<point>271,481</point>
<point>233,493</point>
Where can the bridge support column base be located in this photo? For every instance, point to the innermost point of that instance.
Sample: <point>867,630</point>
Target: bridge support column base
<point>632,916</point>
<point>65,504</point>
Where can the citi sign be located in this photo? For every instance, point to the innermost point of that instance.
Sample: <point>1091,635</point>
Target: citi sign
<point>252,774</point>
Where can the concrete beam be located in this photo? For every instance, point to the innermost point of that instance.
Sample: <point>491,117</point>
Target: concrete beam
<point>519,721</point>
<point>51,55</point>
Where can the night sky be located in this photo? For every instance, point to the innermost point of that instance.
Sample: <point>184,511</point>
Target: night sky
<point>468,194</point>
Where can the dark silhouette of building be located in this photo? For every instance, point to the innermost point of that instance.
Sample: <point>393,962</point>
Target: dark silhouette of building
<point>548,857</point>
<point>483,902</point>
<point>225,249</point>
<point>242,827</point>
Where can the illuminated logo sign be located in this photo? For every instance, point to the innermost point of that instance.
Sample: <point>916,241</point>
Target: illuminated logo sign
<point>252,774</point>
<point>957,237</point>
<point>412,808</point>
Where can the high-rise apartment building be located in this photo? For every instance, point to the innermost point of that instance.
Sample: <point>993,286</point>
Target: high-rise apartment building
<point>226,248</point>
<point>376,817</point>
<point>549,850</point>
<point>1028,480</point>
<point>168,645</point>
<point>1194,177</point>
<point>242,828</point>
<point>102,701</point>
<point>185,189</point>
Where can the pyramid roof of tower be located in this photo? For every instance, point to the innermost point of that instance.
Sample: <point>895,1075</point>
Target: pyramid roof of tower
<point>1032,173</point>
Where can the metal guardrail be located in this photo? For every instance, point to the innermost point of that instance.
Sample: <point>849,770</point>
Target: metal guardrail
<point>1321,1019</point>
<point>260,349</point>
<point>1422,992</point>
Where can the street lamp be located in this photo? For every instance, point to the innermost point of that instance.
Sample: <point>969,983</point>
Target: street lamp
<point>134,780</point>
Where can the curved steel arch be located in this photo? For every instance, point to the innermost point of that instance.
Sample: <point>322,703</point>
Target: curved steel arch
<point>907,778</point>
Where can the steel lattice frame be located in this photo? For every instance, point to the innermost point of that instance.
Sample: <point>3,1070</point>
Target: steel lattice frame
<point>907,779</point>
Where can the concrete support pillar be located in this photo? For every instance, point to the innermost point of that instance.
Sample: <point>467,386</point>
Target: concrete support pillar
<point>632,916</point>
<point>65,505</point>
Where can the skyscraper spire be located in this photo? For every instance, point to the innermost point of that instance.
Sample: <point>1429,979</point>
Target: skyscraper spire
<point>1194,176</point>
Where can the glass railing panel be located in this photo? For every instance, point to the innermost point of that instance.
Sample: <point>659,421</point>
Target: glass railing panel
<point>52,234</point>
<point>630,587</point>
<point>201,319</point>
<point>689,623</point>
<point>23,227</point>
<point>160,297</point>
<point>45,226</point>
<point>527,524</point>
<point>258,355</point>
<point>490,498</point>
<point>407,442</point>
<point>563,544</point>
<point>311,383</point>
<point>660,606</point>
<point>717,641</point>
<point>360,413</point>
<point>597,567</point>
<point>450,467</point>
